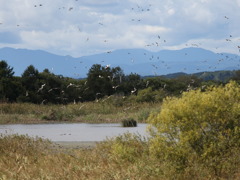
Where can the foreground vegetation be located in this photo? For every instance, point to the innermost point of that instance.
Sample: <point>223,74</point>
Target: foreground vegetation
<point>25,158</point>
<point>196,136</point>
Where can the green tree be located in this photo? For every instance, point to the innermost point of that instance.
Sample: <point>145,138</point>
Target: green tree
<point>51,92</point>
<point>155,83</point>
<point>5,70</point>
<point>9,88</point>
<point>30,81</point>
<point>103,81</point>
<point>132,83</point>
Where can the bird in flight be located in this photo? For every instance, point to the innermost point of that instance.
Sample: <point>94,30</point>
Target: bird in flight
<point>41,88</point>
<point>70,85</point>
<point>134,90</point>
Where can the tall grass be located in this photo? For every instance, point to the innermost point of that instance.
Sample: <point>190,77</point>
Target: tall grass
<point>88,112</point>
<point>123,157</point>
<point>24,158</point>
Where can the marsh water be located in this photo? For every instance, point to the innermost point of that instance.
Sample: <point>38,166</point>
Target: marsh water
<point>72,132</point>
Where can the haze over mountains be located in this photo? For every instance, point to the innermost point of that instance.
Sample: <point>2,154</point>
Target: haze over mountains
<point>140,61</point>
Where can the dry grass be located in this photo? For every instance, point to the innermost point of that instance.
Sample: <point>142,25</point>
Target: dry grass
<point>88,112</point>
<point>126,157</point>
<point>24,158</point>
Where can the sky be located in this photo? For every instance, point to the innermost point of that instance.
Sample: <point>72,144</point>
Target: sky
<point>85,27</point>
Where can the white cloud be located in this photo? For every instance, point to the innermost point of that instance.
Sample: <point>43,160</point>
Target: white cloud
<point>87,26</point>
<point>147,29</point>
<point>171,11</point>
<point>198,13</point>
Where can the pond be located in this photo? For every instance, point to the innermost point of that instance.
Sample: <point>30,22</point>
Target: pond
<point>72,132</point>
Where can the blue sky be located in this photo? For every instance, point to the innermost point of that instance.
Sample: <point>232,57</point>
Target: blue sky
<point>84,27</point>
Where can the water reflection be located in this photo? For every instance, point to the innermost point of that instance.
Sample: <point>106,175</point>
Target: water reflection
<point>72,132</point>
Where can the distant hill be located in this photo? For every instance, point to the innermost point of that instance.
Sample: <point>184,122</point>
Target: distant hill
<point>221,76</point>
<point>175,75</point>
<point>140,61</point>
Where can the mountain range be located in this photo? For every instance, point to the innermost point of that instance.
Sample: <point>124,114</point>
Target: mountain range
<point>140,61</point>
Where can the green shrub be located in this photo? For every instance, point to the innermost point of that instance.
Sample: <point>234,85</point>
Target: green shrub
<point>199,129</point>
<point>149,95</point>
<point>145,95</point>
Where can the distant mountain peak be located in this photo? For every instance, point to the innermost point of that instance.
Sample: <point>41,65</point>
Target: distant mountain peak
<point>140,61</point>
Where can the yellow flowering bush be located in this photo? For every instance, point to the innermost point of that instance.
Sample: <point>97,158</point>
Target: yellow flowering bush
<point>200,127</point>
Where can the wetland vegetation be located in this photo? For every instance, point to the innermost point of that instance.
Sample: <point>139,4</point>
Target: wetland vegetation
<point>195,136</point>
<point>193,126</point>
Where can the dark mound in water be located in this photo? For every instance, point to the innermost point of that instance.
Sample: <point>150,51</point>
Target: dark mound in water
<point>129,123</point>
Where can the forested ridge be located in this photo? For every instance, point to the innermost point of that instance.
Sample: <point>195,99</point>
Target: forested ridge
<point>101,82</point>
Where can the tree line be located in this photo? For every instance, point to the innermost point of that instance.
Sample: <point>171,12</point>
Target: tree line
<point>102,81</point>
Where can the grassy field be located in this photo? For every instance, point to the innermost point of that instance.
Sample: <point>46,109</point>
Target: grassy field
<point>88,112</point>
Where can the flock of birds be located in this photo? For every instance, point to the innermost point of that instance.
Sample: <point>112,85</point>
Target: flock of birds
<point>158,42</point>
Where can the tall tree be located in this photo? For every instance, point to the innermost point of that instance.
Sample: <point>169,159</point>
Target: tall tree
<point>132,83</point>
<point>30,80</point>
<point>102,81</point>
<point>51,87</point>
<point>8,86</point>
<point>5,70</point>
